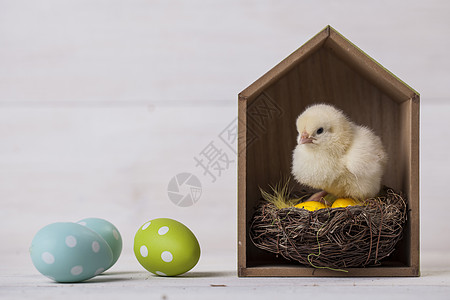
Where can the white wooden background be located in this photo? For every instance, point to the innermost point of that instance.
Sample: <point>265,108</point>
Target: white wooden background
<point>102,102</point>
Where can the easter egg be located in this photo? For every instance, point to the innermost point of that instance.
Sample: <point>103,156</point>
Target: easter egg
<point>311,205</point>
<point>69,252</point>
<point>344,202</point>
<point>108,232</point>
<point>166,247</point>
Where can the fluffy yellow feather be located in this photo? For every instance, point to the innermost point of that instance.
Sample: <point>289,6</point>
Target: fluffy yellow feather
<point>335,155</point>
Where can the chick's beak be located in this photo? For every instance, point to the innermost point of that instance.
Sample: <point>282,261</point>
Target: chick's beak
<point>305,138</point>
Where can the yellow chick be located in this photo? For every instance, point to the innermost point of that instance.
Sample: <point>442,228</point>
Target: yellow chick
<point>337,156</point>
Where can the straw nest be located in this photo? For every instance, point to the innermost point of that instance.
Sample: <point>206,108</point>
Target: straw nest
<point>333,238</point>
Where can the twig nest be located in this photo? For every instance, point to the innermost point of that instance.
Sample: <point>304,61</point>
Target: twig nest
<point>352,236</point>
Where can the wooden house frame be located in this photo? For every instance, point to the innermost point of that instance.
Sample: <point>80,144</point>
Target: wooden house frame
<point>326,69</point>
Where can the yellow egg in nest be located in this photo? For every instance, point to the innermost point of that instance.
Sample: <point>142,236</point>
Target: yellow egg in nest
<point>311,205</point>
<point>344,202</point>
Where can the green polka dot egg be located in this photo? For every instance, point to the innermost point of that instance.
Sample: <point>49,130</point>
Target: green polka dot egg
<point>166,247</point>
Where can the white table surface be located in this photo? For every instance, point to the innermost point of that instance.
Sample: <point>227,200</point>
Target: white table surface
<point>215,278</point>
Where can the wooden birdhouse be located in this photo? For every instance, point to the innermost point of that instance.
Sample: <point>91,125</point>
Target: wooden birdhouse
<point>326,69</point>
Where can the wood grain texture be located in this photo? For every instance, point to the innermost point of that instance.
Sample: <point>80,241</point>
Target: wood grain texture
<point>242,181</point>
<point>369,68</point>
<point>287,64</point>
<point>292,271</point>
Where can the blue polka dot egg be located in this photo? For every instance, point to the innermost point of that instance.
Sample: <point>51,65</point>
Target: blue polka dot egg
<point>108,232</point>
<point>166,247</point>
<point>70,252</point>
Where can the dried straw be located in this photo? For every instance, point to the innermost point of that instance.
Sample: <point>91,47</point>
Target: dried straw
<point>333,238</point>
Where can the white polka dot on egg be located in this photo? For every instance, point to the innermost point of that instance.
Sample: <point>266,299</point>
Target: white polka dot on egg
<point>166,256</point>
<point>145,226</point>
<point>163,230</point>
<point>48,258</point>
<point>77,270</point>
<point>115,234</point>
<point>82,223</point>
<point>144,251</point>
<point>99,271</point>
<point>71,241</point>
<point>160,273</point>
<point>95,246</point>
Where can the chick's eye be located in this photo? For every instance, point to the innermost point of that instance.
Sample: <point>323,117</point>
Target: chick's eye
<point>320,130</point>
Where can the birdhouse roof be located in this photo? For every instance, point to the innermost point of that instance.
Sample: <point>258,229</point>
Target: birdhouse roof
<point>349,53</point>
